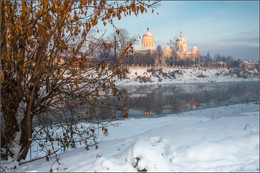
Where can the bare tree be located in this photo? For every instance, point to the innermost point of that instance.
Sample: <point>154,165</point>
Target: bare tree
<point>119,40</point>
<point>40,43</point>
<point>159,55</point>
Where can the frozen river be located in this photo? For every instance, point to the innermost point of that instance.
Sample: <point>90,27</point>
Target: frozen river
<point>159,100</point>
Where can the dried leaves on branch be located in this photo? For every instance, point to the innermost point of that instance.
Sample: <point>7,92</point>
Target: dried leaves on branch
<point>45,98</point>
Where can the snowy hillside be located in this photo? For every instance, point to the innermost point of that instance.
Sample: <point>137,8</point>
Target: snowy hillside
<point>167,76</point>
<point>216,139</point>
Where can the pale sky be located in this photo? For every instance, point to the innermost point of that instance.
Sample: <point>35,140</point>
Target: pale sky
<point>229,28</point>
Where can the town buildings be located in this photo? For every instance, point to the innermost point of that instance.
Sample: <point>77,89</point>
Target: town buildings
<point>249,64</point>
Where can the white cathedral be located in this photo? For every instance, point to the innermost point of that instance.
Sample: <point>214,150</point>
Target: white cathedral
<point>180,50</point>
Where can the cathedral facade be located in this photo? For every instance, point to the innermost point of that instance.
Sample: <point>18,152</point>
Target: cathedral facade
<point>179,51</point>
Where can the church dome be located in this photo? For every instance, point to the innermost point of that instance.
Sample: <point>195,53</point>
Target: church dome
<point>194,49</point>
<point>148,40</point>
<point>147,34</point>
<point>181,45</point>
<point>167,49</point>
<point>181,41</point>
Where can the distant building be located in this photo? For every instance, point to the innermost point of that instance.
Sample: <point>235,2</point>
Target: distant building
<point>248,64</point>
<point>181,50</point>
<point>167,51</point>
<point>221,64</point>
<point>148,41</point>
<point>78,61</point>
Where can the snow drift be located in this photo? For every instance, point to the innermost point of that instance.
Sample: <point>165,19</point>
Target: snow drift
<point>216,139</point>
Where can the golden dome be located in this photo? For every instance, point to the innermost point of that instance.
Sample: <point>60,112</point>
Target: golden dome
<point>181,45</point>
<point>181,41</point>
<point>167,49</point>
<point>147,34</point>
<point>194,49</point>
<point>148,40</point>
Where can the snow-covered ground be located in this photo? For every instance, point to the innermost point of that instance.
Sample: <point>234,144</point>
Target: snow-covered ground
<point>142,76</point>
<point>215,139</point>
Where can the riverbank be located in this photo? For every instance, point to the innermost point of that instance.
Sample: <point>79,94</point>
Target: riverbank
<point>144,76</point>
<point>217,139</point>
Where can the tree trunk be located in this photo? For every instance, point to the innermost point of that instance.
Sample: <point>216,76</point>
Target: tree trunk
<point>26,136</point>
<point>10,104</point>
<point>26,125</point>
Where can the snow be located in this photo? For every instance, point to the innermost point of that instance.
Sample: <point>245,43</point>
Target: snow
<point>251,62</point>
<point>186,76</point>
<point>15,147</point>
<point>215,139</point>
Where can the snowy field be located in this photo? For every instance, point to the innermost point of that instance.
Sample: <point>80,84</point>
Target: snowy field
<point>215,139</point>
<point>143,76</point>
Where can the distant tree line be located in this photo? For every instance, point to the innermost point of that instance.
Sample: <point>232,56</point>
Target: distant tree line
<point>229,60</point>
